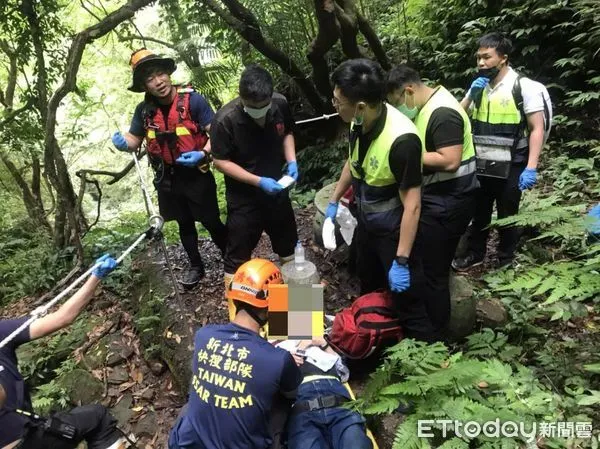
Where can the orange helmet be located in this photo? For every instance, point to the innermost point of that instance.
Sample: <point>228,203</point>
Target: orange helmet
<point>251,282</point>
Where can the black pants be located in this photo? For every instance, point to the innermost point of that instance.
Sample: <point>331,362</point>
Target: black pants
<point>246,221</point>
<point>188,196</point>
<point>374,257</point>
<point>507,195</point>
<point>444,219</point>
<point>94,425</point>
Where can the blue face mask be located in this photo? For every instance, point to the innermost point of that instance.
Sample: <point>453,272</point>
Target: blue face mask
<point>411,113</point>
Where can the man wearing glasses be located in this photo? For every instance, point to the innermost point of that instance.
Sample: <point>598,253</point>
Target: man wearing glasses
<point>384,168</point>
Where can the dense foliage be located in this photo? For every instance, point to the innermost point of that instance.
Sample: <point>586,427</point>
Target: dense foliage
<point>542,366</point>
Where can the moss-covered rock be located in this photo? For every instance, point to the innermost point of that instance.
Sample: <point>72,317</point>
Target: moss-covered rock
<point>463,310</point>
<point>39,359</point>
<point>81,386</point>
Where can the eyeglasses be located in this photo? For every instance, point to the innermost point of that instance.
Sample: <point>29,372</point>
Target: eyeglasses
<point>336,103</point>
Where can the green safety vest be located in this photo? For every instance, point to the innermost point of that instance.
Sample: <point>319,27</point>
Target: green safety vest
<point>443,98</point>
<point>375,187</point>
<point>497,120</point>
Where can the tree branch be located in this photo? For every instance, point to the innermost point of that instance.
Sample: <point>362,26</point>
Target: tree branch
<point>371,36</point>
<point>245,23</point>
<point>326,38</point>
<point>116,176</point>
<point>150,39</point>
<point>14,114</point>
<point>345,11</point>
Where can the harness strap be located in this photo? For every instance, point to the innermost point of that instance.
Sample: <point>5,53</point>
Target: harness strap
<point>318,403</point>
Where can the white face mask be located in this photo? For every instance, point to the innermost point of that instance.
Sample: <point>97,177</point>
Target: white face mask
<point>257,113</point>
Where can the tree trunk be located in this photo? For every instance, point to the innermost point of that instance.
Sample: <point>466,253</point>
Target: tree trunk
<point>245,23</point>
<point>371,36</point>
<point>345,11</point>
<point>69,219</point>
<point>326,38</point>
<point>35,210</point>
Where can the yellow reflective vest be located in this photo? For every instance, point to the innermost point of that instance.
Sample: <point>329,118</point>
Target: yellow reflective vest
<point>375,187</point>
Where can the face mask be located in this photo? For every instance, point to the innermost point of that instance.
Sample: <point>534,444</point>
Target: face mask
<point>490,73</point>
<point>411,113</point>
<point>257,113</point>
<point>357,121</point>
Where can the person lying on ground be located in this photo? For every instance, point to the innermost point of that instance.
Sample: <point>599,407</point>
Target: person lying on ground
<point>90,423</point>
<point>317,419</point>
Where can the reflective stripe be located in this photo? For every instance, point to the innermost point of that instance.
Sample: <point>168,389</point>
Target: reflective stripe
<point>466,168</point>
<point>182,131</point>
<point>317,377</point>
<point>500,141</point>
<point>379,206</point>
<point>244,288</point>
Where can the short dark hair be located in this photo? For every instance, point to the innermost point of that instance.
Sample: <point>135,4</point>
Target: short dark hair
<point>256,84</point>
<point>360,80</point>
<point>241,305</point>
<point>400,75</point>
<point>498,41</point>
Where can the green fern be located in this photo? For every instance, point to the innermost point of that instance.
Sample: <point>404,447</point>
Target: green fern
<point>454,443</point>
<point>407,437</point>
<point>470,386</point>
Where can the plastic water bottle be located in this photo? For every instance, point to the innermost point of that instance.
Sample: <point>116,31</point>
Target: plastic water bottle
<point>300,271</point>
<point>299,256</point>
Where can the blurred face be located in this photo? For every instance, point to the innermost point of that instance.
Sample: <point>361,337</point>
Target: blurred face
<point>158,83</point>
<point>346,108</point>
<point>488,58</point>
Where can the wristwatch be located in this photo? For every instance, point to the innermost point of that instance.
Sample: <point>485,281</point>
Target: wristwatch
<point>401,260</point>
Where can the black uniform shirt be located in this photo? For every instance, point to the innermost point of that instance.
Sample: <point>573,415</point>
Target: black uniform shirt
<point>235,136</point>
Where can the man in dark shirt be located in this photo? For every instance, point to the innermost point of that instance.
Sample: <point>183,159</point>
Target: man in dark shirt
<point>174,121</point>
<point>449,181</point>
<point>92,423</point>
<point>384,168</point>
<point>236,373</point>
<point>252,138</point>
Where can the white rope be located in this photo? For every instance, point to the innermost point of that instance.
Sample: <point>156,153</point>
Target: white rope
<point>314,119</point>
<point>42,310</point>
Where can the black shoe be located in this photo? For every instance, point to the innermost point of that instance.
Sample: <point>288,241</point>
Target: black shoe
<point>461,264</point>
<point>192,276</point>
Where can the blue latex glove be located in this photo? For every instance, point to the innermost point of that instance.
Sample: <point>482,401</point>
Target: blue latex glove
<point>119,141</point>
<point>528,178</point>
<point>478,85</point>
<point>292,170</point>
<point>331,211</point>
<point>594,227</point>
<point>270,186</point>
<point>190,158</point>
<point>399,277</point>
<point>107,264</point>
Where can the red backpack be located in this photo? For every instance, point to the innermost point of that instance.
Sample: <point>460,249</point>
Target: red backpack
<point>361,328</point>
